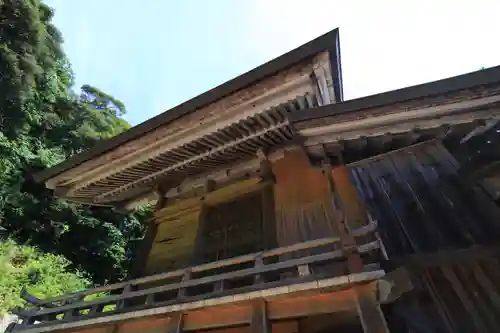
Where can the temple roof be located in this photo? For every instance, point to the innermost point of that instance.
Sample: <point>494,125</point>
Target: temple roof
<point>448,109</point>
<point>219,127</point>
<point>296,98</point>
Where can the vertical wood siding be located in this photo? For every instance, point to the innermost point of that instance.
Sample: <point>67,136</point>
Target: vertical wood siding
<point>423,206</point>
<point>302,200</point>
<point>421,203</point>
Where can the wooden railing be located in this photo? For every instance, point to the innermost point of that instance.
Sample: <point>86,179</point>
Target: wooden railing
<point>297,263</point>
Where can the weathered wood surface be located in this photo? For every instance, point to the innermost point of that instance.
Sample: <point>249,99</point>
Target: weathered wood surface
<point>421,203</point>
<point>444,228</point>
<point>302,200</point>
<point>178,225</point>
<point>267,93</point>
<point>260,320</point>
<point>131,294</point>
<point>282,304</point>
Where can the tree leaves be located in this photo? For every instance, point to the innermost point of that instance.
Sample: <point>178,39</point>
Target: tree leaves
<point>42,122</point>
<point>44,275</point>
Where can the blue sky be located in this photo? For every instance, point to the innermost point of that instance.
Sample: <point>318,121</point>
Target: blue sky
<point>155,54</point>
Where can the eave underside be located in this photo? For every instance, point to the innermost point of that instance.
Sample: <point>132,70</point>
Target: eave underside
<point>233,144</point>
<point>358,133</point>
<point>214,138</point>
<point>367,132</point>
<point>325,48</point>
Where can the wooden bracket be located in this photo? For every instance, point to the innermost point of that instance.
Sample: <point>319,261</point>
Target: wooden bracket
<point>161,191</point>
<point>209,185</point>
<point>265,170</point>
<point>161,198</point>
<point>62,191</point>
<point>336,159</point>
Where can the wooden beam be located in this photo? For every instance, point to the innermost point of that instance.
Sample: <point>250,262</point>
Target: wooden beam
<point>310,298</point>
<point>228,110</point>
<point>482,127</point>
<point>260,321</point>
<point>191,186</point>
<point>410,118</point>
<point>393,285</point>
<point>369,312</point>
<point>61,191</point>
<point>154,176</point>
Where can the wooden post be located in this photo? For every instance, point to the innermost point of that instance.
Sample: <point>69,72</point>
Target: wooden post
<point>260,322</point>
<point>259,263</point>
<point>304,270</point>
<point>140,260</point>
<point>346,200</point>
<point>348,243</point>
<point>175,323</point>
<point>369,312</point>
<point>269,217</point>
<point>186,277</point>
<point>120,304</point>
<point>199,242</point>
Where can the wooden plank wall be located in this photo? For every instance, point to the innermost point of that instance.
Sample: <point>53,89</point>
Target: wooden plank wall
<point>354,212</point>
<point>423,206</point>
<point>302,200</point>
<point>173,245</point>
<point>178,225</point>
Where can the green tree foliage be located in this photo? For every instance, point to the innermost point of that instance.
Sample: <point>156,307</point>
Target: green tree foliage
<point>42,122</point>
<point>42,274</point>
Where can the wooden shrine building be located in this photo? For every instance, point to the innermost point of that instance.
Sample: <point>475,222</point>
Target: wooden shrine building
<point>280,207</point>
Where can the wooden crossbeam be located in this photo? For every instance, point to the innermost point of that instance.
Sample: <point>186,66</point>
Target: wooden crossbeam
<point>154,176</point>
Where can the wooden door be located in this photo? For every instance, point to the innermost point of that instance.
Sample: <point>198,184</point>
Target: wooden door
<point>233,228</point>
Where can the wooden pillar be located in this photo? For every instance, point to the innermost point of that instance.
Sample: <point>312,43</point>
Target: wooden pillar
<point>142,253</point>
<point>269,217</point>
<point>259,322</point>
<point>346,193</point>
<point>342,190</point>
<point>353,215</point>
<point>199,242</point>
<point>268,211</point>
